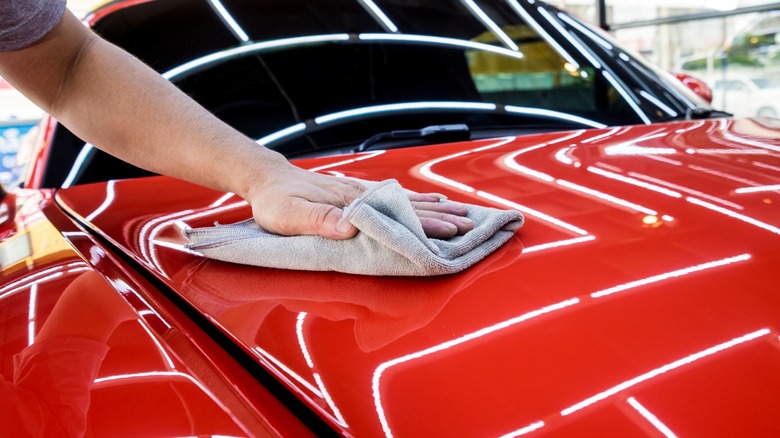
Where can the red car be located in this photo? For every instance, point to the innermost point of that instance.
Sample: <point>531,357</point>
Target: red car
<point>640,298</point>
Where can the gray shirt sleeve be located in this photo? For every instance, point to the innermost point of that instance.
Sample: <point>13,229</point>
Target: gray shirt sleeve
<point>23,22</point>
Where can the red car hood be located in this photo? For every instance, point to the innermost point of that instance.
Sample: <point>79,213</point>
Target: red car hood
<point>642,293</point>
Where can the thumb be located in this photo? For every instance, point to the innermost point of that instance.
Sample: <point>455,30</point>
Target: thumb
<point>326,220</point>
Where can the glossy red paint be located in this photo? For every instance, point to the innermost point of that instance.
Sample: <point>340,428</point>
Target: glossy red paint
<point>644,282</point>
<point>70,306</point>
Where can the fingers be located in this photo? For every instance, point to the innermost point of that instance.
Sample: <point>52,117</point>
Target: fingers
<point>443,225</point>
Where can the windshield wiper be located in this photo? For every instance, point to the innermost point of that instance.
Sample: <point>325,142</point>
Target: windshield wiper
<point>704,113</point>
<point>431,134</point>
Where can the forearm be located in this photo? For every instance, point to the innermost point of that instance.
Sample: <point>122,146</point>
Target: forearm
<point>144,120</point>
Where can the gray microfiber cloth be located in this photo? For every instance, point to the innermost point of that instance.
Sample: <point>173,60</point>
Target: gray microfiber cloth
<point>390,241</point>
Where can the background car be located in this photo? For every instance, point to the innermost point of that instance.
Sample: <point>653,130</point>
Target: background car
<point>745,96</point>
<point>639,298</point>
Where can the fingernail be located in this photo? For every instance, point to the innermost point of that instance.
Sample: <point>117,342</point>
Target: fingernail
<point>343,226</point>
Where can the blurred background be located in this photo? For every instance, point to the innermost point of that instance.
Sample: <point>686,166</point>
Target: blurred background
<point>732,45</point>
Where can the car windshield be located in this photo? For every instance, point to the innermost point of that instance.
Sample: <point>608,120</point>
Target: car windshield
<point>313,78</point>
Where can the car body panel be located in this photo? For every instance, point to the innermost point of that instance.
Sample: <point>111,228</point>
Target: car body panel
<point>643,282</point>
<point>160,375</point>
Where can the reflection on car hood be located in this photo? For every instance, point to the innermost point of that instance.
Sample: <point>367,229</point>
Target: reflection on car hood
<point>643,282</point>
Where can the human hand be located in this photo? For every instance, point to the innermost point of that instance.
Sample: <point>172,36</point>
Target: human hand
<point>293,201</point>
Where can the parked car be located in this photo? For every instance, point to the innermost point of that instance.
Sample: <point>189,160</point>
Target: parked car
<point>640,298</point>
<point>746,96</point>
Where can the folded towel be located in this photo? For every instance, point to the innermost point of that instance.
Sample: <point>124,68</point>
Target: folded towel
<point>390,241</point>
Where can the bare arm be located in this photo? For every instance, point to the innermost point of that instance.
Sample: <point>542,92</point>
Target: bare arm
<point>123,107</point>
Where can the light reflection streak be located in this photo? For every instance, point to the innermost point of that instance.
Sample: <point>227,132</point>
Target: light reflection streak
<point>765,166</point>
<point>317,378</point>
<point>380,15</point>
<point>250,48</point>
<point>445,346</point>
<point>634,182</point>
<point>569,37</point>
<point>466,44</point>
<point>109,199</point>
<point>426,171</point>
<point>610,133</point>
<point>286,132</point>
<point>86,152</point>
<point>665,108</point>
<point>150,230</point>
<point>664,369</point>
<point>490,24</point>
<point>558,244</point>
<point>771,188</point>
<point>222,200</point>
<point>543,33</point>
<point>31,311</point>
<point>329,400</point>
<point>727,134</point>
<point>525,430</point>
<point>163,353</point>
<point>627,97</point>
<point>553,115</point>
<point>599,40</point>
<point>693,127</point>
<point>532,212</point>
<point>289,372</point>
<point>229,20</point>
<point>734,215</point>
<point>685,189</point>
<point>664,160</point>
<point>605,197</point>
<point>301,340</point>
<point>649,416</point>
<point>42,277</point>
<point>362,156</point>
<point>702,151</point>
<point>395,107</point>
<point>668,275</point>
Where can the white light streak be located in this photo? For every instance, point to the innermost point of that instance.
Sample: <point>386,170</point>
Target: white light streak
<point>734,215</point>
<point>301,340</point>
<point>426,171</point>
<point>634,182</point>
<point>665,108</point>
<point>540,30</point>
<point>282,133</point>
<point>363,156</point>
<point>558,244</point>
<point>569,37</point>
<point>525,430</point>
<point>772,188</point>
<point>444,346</point>
<point>164,354</point>
<point>490,24</point>
<point>250,48</point>
<point>663,369</point>
<point>627,97</point>
<point>649,416</point>
<point>329,401</point>
<point>290,372</point>
<point>605,197</point>
<point>531,212</point>
<point>31,312</point>
<point>553,115</point>
<point>440,41</point>
<point>109,199</point>
<point>598,39</point>
<point>229,20</point>
<point>86,152</point>
<point>222,200</point>
<point>395,107</point>
<point>686,189</point>
<point>670,275</point>
<point>380,15</point>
